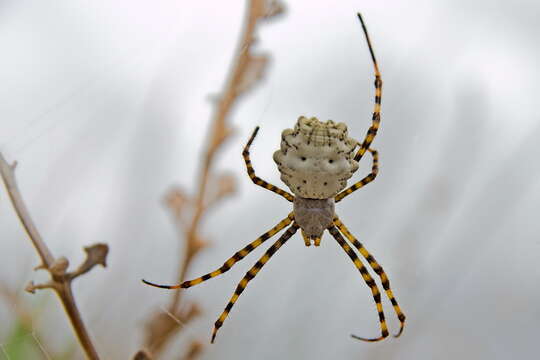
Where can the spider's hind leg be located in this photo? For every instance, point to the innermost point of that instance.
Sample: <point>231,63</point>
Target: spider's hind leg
<point>378,270</point>
<point>369,282</point>
<point>251,274</point>
<point>251,172</point>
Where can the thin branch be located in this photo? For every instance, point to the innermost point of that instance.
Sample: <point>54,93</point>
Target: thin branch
<point>60,280</point>
<point>8,176</point>
<point>246,71</point>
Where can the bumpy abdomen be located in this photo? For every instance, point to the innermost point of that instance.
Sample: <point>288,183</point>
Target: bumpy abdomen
<point>316,158</point>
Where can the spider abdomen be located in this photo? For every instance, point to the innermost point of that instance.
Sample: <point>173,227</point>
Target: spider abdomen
<point>313,215</point>
<point>316,158</point>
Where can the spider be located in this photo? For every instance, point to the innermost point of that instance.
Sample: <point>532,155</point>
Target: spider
<point>315,161</point>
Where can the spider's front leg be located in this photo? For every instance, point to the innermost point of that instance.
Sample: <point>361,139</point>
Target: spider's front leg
<point>366,180</point>
<point>376,118</point>
<point>251,172</point>
<point>372,131</point>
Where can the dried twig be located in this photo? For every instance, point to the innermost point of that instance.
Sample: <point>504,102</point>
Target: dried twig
<point>245,72</point>
<point>61,279</point>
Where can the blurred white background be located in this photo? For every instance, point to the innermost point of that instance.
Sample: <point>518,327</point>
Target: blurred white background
<point>105,105</point>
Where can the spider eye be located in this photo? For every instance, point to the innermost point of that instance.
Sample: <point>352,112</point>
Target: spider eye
<point>303,158</point>
<point>330,161</point>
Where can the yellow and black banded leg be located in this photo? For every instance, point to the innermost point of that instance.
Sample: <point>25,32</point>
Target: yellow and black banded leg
<point>378,270</point>
<point>251,172</point>
<point>376,118</point>
<point>239,255</point>
<point>369,281</point>
<point>366,180</point>
<point>307,240</point>
<point>251,274</point>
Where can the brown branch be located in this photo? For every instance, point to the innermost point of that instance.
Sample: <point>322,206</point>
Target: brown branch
<point>246,71</point>
<point>60,280</point>
<point>29,226</point>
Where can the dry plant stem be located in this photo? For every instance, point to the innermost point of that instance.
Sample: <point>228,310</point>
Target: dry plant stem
<point>219,128</point>
<point>60,279</point>
<point>9,179</point>
<point>245,71</point>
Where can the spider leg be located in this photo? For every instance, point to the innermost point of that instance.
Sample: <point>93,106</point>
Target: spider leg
<point>376,118</point>
<point>307,240</point>
<point>369,282</point>
<point>251,172</point>
<point>239,255</point>
<point>378,270</point>
<point>366,180</point>
<point>251,274</point>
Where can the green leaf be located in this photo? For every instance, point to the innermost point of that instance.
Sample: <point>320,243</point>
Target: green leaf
<point>21,344</point>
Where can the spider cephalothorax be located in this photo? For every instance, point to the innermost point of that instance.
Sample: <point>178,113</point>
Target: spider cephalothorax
<point>315,161</point>
<point>316,158</point>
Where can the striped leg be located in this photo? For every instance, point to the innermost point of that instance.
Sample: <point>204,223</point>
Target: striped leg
<point>251,172</point>
<point>376,118</point>
<point>232,260</point>
<point>377,268</point>
<point>366,180</point>
<point>251,274</point>
<point>307,240</point>
<point>369,281</point>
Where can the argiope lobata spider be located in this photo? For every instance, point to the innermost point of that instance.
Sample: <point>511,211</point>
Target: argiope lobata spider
<point>315,161</point>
